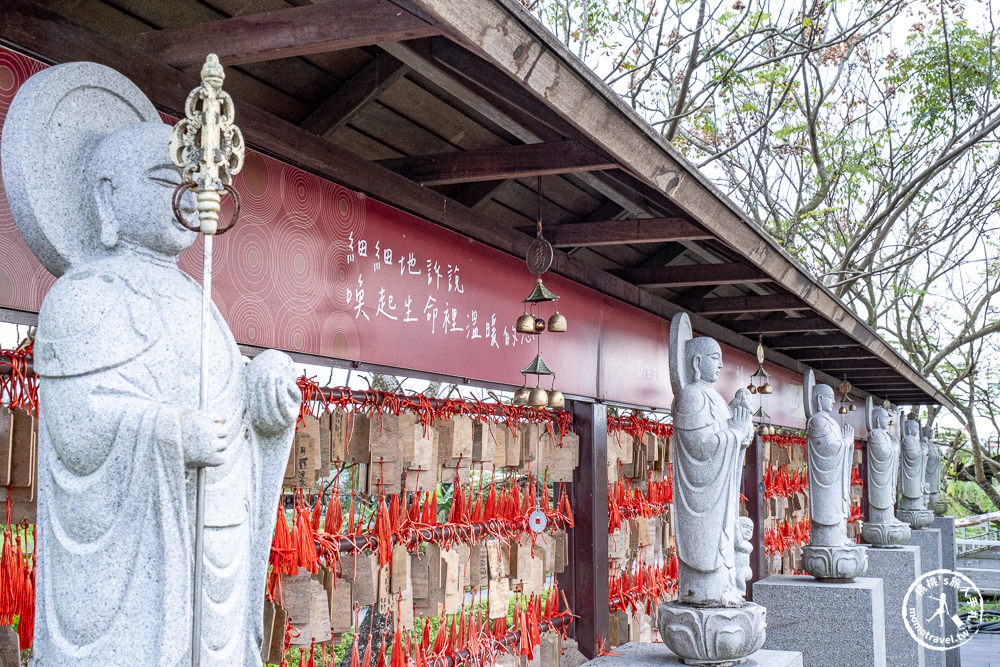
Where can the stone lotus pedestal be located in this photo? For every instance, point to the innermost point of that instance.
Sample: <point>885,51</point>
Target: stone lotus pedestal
<point>894,534</point>
<point>835,563</point>
<point>717,636</point>
<point>898,568</point>
<point>832,625</point>
<point>917,518</point>
<point>637,654</point>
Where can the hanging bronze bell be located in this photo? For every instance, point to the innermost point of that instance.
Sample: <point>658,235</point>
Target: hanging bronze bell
<point>852,408</point>
<point>538,398</point>
<point>752,388</point>
<point>539,325</point>
<point>526,324</point>
<point>556,399</point>
<point>842,410</point>
<point>767,388</point>
<point>557,323</point>
<point>521,396</point>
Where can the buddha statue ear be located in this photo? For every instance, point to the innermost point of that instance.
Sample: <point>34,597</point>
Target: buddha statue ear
<point>107,221</point>
<point>696,367</point>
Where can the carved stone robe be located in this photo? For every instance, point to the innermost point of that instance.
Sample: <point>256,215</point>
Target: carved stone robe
<point>883,466</point>
<point>932,472</point>
<point>829,470</point>
<point>706,488</point>
<point>912,471</point>
<point>116,500</point>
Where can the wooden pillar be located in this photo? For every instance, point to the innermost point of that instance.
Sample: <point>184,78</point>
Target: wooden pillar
<point>753,489</point>
<point>585,579</point>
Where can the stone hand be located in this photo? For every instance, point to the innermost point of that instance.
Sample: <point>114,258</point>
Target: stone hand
<point>273,395</point>
<point>204,439</point>
<point>741,419</point>
<point>848,432</point>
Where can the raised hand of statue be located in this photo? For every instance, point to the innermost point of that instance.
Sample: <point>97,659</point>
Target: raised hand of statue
<point>274,396</point>
<point>204,439</point>
<point>848,432</point>
<point>740,420</point>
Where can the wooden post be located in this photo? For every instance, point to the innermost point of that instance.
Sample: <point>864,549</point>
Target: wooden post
<point>585,579</point>
<point>753,489</point>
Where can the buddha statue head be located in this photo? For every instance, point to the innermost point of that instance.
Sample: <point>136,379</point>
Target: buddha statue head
<point>880,418</point>
<point>132,182</point>
<point>824,397</point>
<point>703,357</point>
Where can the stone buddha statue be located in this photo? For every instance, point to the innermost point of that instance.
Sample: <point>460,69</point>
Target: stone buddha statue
<point>710,442</point>
<point>89,180</point>
<point>882,529</point>
<point>932,471</point>
<point>912,472</point>
<point>830,554</point>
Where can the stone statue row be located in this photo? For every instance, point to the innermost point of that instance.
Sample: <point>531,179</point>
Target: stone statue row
<point>711,621</point>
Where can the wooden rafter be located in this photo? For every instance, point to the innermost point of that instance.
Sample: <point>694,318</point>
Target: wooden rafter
<point>618,232</point>
<point>491,164</point>
<point>690,275</point>
<point>743,304</point>
<point>783,325</point>
<point>836,366</point>
<point>802,342</point>
<point>296,31</point>
<point>832,353</point>
<point>373,79</point>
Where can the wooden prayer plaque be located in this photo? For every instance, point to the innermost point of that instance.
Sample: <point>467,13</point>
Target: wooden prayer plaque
<point>358,448</point>
<point>551,649</point>
<point>338,423</point>
<point>419,577</point>
<point>22,465</point>
<point>455,438</point>
<point>360,571</point>
<point>497,564</point>
<point>624,445</point>
<point>305,457</point>
<point>341,605</point>
<point>560,551</point>
<point>421,480</point>
<point>6,443</point>
<point>478,568</point>
<point>432,603</point>
<point>402,613</point>
<point>400,569</point>
<point>499,596</point>
<point>513,453</point>
<point>388,473</point>
<point>276,631</point>
<point>501,436</point>
<point>325,443</point>
<point>560,462</point>
<point>530,443</point>
<point>450,470</point>
<point>386,436</point>
<point>424,449</point>
<point>384,595</point>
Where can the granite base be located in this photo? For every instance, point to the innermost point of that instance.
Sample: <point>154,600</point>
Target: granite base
<point>898,568</point>
<point>832,625</point>
<point>946,524</point>
<point>637,654</point>
<point>929,541</point>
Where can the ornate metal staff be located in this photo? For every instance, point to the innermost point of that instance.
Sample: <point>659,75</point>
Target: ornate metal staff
<point>209,149</point>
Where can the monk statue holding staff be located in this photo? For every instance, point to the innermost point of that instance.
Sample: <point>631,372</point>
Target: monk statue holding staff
<point>90,181</point>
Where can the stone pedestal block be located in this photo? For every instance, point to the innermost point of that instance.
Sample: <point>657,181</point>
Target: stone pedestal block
<point>635,654</point>
<point>929,541</point>
<point>832,625</point>
<point>946,524</point>
<point>897,568</point>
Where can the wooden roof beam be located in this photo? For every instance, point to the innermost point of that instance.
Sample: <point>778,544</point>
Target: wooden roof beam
<point>744,304</point>
<point>364,87</point>
<point>838,366</point>
<point>831,353</point>
<point>690,275</point>
<point>801,342</point>
<point>285,33</point>
<point>783,325</point>
<point>491,164</point>
<point>619,232</point>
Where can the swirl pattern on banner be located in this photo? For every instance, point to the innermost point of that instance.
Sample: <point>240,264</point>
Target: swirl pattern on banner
<point>298,329</point>
<point>253,319</point>
<point>300,196</point>
<point>297,259</point>
<point>340,337</point>
<point>344,210</point>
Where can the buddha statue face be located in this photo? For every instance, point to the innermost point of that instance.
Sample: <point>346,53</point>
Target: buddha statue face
<point>928,432</point>
<point>133,183</point>
<point>911,427</point>
<point>704,358</point>
<point>824,397</point>
<point>881,418</point>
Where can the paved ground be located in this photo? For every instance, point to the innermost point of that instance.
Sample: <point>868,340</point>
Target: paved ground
<point>983,568</point>
<point>982,651</point>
